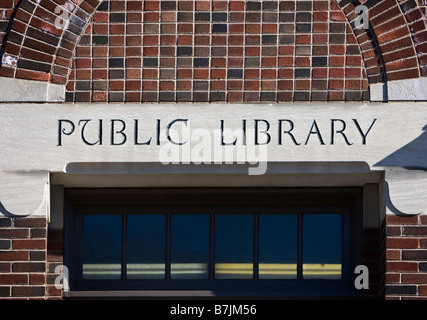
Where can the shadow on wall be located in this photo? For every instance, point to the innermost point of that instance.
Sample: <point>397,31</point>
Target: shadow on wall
<point>412,156</point>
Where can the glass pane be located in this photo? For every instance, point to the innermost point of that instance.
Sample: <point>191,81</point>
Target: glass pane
<point>322,246</point>
<point>190,246</point>
<point>278,246</point>
<point>145,246</point>
<point>102,246</point>
<point>234,246</point>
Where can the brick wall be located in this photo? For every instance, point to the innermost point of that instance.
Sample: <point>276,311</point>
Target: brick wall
<point>406,253</point>
<point>218,51</point>
<point>6,11</point>
<point>23,258</point>
<point>279,34</point>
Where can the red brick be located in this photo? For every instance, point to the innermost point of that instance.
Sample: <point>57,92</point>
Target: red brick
<point>401,220</point>
<point>13,278</point>
<point>51,290</point>
<point>14,233</point>
<point>152,5</point>
<point>401,266</point>
<point>422,290</point>
<point>406,243</point>
<point>401,64</point>
<point>5,267</point>
<point>405,74</point>
<point>32,75</point>
<point>37,278</point>
<point>414,278</point>
<point>392,277</point>
<point>29,244</point>
<point>14,255</point>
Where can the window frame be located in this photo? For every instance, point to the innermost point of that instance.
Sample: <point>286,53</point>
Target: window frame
<point>217,201</point>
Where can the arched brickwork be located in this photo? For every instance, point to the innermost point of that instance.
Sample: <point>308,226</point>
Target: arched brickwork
<point>220,51</point>
<point>33,48</point>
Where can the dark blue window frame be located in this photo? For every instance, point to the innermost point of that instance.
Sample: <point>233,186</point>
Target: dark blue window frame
<point>211,201</point>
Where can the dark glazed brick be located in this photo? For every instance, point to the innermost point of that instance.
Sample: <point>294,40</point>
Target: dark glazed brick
<point>217,96</point>
<point>184,51</point>
<point>301,96</point>
<point>103,6</point>
<point>168,5</point>
<point>304,5</point>
<point>5,222</point>
<point>268,96</point>
<point>253,6</point>
<point>116,97</point>
<point>116,62</point>
<point>166,96</point>
<point>183,96</point>
<point>150,62</point>
<point>400,290</point>
<point>269,5</point>
<point>201,62</point>
<point>117,17</point>
<point>303,28</point>
<point>28,291</point>
<point>99,40</point>
<point>5,244</point>
<point>303,17</point>
<point>4,291</point>
<point>302,73</point>
<point>219,16</point>
<point>319,61</point>
<point>203,16</point>
<point>269,39</point>
<point>235,73</point>
<point>219,28</point>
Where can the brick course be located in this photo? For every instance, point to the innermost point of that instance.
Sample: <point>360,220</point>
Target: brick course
<point>406,270</point>
<point>23,263</point>
<point>392,49</point>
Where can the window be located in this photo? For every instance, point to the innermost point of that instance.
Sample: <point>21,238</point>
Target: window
<point>247,240</point>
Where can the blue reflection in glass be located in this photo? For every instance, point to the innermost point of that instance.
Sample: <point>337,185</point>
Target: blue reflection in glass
<point>102,246</point>
<point>190,246</point>
<point>145,246</point>
<point>234,246</point>
<point>322,246</point>
<point>278,246</point>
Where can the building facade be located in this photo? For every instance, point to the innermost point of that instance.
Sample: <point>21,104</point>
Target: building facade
<point>271,149</point>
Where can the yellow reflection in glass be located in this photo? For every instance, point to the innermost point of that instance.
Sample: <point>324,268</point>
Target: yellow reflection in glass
<point>277,271</point>
<point>322,271</point>
<point>151,271</point>
<point>233,270</point>
<point>189,271</point>
<point>102,271</point>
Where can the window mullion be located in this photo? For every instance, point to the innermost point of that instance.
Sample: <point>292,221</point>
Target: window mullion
<point>124,233</point>
<point>300,239</point>
<point>211,269</point>
<point>168,247</point>
<point>256,246</point>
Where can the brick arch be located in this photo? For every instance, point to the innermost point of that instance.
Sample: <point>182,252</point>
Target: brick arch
<point>35,48</point>
<point>392,49</point>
